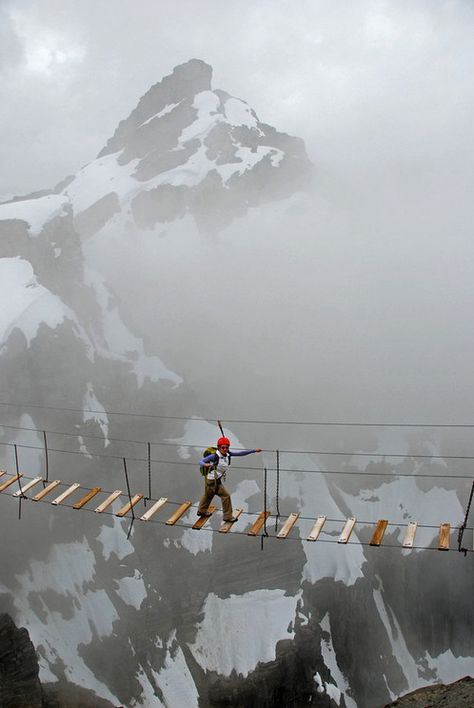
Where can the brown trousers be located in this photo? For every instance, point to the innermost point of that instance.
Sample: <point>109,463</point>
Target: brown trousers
<point>211,488</point>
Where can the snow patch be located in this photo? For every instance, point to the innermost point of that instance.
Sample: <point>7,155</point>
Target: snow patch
<point>329,655</point>
<point>25,303</point>
<point>167,109</point>
<point>132,590</point>
<point>175,680</point>
<point>35,212</point>
<point>113,539</point>
<point>239,631</point>
<point>68,570</point>
<point>237,112</point>
<point>93,410</point>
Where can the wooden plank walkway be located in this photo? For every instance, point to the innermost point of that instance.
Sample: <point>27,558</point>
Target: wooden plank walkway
<point>378,534</point>
<point>255,528</point>
<point>288,525</point>
<point>129,505</point>
<point>204,519</point>
<point>317,528</point>
<point>227,525</point>
<point>347,530</point>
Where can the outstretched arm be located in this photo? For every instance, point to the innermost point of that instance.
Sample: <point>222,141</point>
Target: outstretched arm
<point>242,453</point>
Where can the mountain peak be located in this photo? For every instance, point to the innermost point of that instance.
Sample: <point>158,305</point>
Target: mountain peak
<point>185,81</point>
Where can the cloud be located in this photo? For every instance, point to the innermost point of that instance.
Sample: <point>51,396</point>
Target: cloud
<point>362,82</point>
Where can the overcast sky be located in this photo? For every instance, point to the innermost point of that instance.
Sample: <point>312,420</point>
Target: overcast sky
<point>364,82</point>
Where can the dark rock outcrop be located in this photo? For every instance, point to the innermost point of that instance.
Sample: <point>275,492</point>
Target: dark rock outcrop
<point>20,686</point>
<point>459,694</point>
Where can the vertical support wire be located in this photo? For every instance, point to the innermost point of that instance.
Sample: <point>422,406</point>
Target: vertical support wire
<point>277,490</point>
<point>264,532</point>
<point>464,523</point>
<point>46,457</point>
<point>129,497</point>
<point>19,482</point>
<point>148,448</point>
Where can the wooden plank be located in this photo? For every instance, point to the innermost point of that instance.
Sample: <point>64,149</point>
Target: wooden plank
<point>316,530</point>
<point>66,494</point>
<point>10,481</point>
<point>347,530</point>
<point>409,539</point>
<point>288,525</point>
<point>227,525</point>
<point>25,487</point>
<point>203,519</point>
<point>129,505</point>
<point>2,472</point>
<point>107,502</point>
<point>262,517</point>
<point>443,538</point>
<point>87,497</point>
<point>178,513</point>
<point>380,528</point>
<point>153,509</point>
<point>49,488</point>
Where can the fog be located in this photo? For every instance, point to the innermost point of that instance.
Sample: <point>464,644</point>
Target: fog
<point>352,302</point>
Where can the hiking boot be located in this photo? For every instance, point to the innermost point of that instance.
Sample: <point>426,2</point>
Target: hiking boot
<point>232,520</point>
<point>204,513</point>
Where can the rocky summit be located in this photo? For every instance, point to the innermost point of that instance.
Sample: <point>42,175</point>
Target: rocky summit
<point>187,149</point>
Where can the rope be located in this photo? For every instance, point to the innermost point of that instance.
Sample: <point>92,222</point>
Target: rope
<point>46,455</point>
<point>288,469</point>
<point>19,482</point>
<point>277,490</point>
<point>244,420</point>
<point>149,470</point>
<point>264,532</point>
<point>464,523</point>
<point>128,486</point>
<point>200,445</point>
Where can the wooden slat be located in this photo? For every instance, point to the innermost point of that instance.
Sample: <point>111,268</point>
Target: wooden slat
<point>2,472</point>
<point>203,519</point>
<point>288,525</point>
<point>87,497</point>
<point>49,488</point>
<point>377,537</point>
<point>129,505</point>
<point>258,523</point>
<point>66,494</point>
<point>227,525</point>
<point>153,509</point>
<point>443,538</point>
<point>347,530</point>
<point>25,487</point>
<point>107,502</point>
<point>10,481</point>
<point>316,530</point>
<point>409,539</point>
<point>178,513</point>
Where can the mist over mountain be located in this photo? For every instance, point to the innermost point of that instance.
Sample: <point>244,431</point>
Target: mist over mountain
<point>186,272</point>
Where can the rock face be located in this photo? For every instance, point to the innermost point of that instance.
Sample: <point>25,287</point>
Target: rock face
<point>459,694</point>
<point>20,686</point>
<point>188,149</point>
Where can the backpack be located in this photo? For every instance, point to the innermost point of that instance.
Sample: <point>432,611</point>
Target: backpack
<point>209,451</point>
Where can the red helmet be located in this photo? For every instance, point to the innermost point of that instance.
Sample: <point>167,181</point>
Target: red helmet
<point>223,441</point>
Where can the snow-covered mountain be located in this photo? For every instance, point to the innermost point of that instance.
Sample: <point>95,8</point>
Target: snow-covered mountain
<point>99,314</point>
